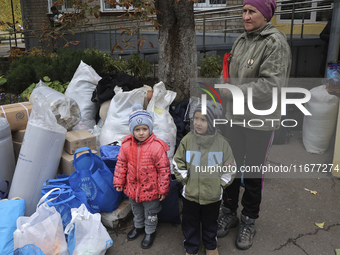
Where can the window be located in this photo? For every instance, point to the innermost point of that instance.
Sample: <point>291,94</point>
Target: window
<point>106,7</point>
<point>66,7</point>
<point>310,11</point>
<point>210,3</point>
<point>200,4</point>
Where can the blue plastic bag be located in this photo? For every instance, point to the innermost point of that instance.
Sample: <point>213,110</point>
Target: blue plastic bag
<point>10,211</point>
<point>95,178</point>
<point>65,200</point>
<point>109,155</point>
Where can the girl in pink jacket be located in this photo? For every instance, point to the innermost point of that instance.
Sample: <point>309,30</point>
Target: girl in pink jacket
<point>143,173</point>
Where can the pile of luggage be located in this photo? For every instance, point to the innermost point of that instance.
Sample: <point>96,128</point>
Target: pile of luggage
<point>58,153</point>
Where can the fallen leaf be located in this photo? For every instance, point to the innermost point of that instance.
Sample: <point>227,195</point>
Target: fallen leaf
<point>320,225</point>
<point>311,191</point>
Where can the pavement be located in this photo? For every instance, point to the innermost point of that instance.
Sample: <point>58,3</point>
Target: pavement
<point>288,216</point>
<point>5,47</point>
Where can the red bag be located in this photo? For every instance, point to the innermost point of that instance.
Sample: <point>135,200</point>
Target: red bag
<point>226,67</point>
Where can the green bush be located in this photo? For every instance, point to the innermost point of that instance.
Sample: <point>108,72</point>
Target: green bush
<point>68,60</point>
<point>211,67</point>
<point>114,65</point>
<point>4,65</point>
<point>29,69</point>
<point>8,98</point>
<point>56,85</point>
<point>19,77</point>
<point>138,67</point>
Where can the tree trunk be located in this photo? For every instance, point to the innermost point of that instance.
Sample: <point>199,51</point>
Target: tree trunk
<point>177,52</point>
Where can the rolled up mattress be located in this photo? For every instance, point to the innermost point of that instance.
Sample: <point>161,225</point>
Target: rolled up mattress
<point>38,161</point>
<point>7,158</point>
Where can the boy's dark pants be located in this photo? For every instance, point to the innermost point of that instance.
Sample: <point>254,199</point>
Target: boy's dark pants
<point>195,215</point>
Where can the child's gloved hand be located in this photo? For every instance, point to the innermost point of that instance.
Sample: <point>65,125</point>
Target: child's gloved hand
<point>161,197</point>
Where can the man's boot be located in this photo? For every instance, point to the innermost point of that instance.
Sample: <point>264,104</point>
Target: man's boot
<point>211,252</point>
<point>246,233</point>
<point>226,220</point>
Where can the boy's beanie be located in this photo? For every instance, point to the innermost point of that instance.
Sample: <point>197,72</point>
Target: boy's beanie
<point>138,116</point>
<point>214,111</point>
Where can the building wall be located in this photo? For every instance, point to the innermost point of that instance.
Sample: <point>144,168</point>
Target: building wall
<point>308,29</point>
<point>34,13</point>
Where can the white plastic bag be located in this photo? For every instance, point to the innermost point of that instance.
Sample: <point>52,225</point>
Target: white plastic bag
<point>64,108</point>
<point>318,128</point>
<point>164,125</point>
<point>81,87</point>
<point>116,125</point>
<point>86,234</point>
<point>42,233</point>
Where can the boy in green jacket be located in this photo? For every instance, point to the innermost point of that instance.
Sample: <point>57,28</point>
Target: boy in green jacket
<point>204,164</point>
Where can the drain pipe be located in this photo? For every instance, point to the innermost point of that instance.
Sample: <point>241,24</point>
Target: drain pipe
<point>334,37</point>
<point>23,16</point>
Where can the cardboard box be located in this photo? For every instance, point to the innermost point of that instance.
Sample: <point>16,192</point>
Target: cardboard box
<point>18,136</point>
<point>76,139</point>
<point>66,162</point>
<point>16,114</point>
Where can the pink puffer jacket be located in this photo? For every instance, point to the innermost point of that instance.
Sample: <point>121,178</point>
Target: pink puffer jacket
<point>143,170</point>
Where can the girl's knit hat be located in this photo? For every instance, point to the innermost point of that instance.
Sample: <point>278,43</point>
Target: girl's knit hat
<point>214,111</point>
<point>138,116</point>
<point>266,7</point>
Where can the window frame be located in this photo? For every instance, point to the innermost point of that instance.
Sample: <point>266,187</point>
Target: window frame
<point>311,20</point>
<point>63,7</point>
<point>197,7</point>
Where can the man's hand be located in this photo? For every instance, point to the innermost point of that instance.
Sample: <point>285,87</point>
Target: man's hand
<point>161,197</point>
<point>119,188</point>
<point>224,92</point>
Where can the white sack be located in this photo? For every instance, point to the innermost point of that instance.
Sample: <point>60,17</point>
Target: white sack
<point>164,125</point>
<point>64,108</point>
<point>318,128</point>
<point>81,87</point>
<point>116,125</point>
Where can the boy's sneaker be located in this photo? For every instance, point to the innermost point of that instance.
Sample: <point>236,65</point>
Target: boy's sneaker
<point>226,220</point>
<point>246,233</point>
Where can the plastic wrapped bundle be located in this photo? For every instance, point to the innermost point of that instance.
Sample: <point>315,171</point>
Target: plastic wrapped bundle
<point>40,154</point>
<point>64,108</point>
<point>6,152</point>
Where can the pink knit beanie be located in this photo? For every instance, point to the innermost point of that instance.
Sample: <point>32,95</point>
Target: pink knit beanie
<point>266,7</point>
